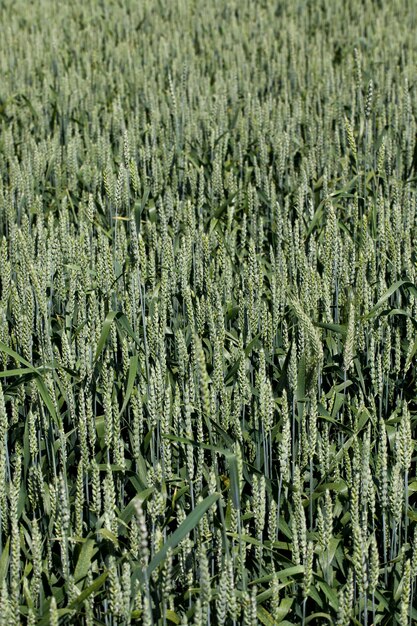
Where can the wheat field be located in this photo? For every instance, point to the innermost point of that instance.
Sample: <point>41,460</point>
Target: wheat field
<point>208,312</point>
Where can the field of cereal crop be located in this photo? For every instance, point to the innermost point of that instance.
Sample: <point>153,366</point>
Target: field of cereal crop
<point>208,312</point>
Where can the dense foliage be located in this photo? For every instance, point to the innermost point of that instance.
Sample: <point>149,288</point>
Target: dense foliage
<point>208,312</point>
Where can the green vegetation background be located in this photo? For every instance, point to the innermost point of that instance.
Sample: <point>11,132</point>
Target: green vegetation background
<point>208,312</point>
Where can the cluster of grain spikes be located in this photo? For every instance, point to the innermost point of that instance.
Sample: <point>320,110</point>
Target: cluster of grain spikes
<point>208,313</point>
